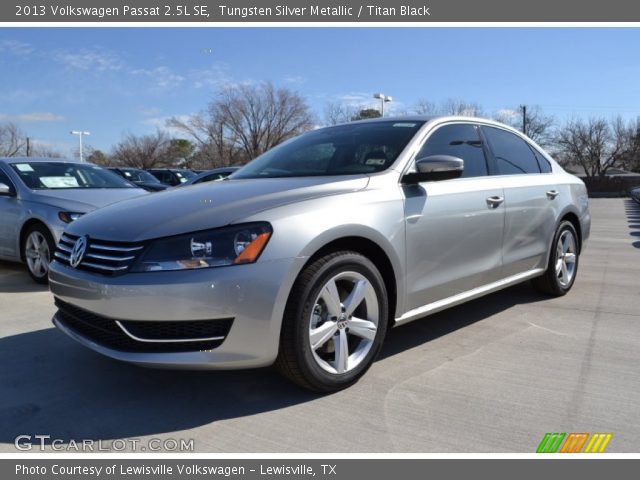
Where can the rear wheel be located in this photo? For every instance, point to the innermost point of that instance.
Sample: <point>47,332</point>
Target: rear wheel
<point>334,323</point>
<point>38,247</point>
<point>563,262</point>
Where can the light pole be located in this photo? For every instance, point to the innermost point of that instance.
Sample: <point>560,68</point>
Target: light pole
<point>383,99</point>
<point>80,135</point>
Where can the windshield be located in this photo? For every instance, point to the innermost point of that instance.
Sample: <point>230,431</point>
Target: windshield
<point>134,175</point>
<point>341,150</point>
<point>59,175</point>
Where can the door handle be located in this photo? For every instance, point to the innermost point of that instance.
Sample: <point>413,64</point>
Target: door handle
<point>495,201</point>
<point>551,194</point>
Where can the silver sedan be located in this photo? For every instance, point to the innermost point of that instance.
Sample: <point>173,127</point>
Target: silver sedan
<point>39,197</point>
<point>305,256</point>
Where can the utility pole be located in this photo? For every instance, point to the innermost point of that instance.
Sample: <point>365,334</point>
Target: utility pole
<point>524,118</point>
<point>28,147</point>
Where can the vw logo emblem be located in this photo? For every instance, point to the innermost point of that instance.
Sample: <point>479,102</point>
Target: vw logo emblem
<point>78,251</point>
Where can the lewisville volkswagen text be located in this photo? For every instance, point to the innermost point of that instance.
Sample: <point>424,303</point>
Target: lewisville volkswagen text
<point>305,256</point>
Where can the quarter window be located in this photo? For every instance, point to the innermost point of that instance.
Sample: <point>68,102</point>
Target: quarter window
<point>543,163</point>
<point>512,153</point>
<point>458,140</point>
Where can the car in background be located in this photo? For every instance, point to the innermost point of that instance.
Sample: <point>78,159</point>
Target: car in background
<point>139,177</point>
<point>39,197</point>
<point>635,194</point>
<point>172,176</point>
<point>306,255</point>
<point>214,175</point>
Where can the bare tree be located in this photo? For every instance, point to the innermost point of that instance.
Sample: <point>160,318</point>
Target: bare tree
<point>539,126</point>
<point>336,113</point>
<point>425,107</point>
<point>13,141</point>
<point>257,118</point>
<point>596,145</point>
<point>453,106</point>
<point>243,122</point>
<point>213,146</point>
<point>146,151</point>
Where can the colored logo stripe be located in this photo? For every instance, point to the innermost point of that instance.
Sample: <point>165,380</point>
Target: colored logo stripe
<point>550,443</point>
<point>598,443</point>
<point>573,443</point>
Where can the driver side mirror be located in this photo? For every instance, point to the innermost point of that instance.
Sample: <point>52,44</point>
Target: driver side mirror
<point>6,190</point>
<point>435,167</point>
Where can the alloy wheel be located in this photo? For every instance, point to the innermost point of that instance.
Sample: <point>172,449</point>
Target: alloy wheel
<point>344,322</point>
<point>37,254</point>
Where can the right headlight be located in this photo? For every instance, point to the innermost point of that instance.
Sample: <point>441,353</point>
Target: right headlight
<point>219,247</point>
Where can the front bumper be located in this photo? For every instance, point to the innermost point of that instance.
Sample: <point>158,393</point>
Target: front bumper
<point>254,296</point>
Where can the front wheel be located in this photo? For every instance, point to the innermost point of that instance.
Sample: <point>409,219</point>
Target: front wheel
<point>334,323</point>
<point>38,247</point>
<point>563,262</point>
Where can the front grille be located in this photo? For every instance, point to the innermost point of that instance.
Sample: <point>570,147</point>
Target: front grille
<point>101,256</point>
<point>163,337</point>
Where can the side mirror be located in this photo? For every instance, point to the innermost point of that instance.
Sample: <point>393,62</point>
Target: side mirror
<point>435,167</point>
<point>6,190</point>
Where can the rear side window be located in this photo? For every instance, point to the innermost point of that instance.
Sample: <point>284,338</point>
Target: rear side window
<point>512,153</point>
<point>543,163</point>
<point>4,178</point>
<point>458,140</point>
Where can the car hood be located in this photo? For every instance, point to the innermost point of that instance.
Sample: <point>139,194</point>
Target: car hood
<point>84,200</point>
<point>209,205</point>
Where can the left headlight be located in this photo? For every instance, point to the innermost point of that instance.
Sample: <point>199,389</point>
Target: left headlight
<point>235,245</point>
<point>68,217</point>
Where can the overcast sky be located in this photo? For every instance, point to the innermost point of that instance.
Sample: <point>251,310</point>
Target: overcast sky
<point>111,81</point>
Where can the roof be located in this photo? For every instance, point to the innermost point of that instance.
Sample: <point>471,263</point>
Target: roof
<point>37,159</point>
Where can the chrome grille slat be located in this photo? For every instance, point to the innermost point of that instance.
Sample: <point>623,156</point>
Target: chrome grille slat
<point>109,257</point>
<point>64,247</point>
<point>102,256</point>
<point>103,267</point>
<point>114,248</point>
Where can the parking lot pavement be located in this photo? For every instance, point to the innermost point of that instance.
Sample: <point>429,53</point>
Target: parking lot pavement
<point>493,375</point>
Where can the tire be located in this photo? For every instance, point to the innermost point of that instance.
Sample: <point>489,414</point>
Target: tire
<point>320,309</point>
<point>562,268</point>
<point>38,247</point>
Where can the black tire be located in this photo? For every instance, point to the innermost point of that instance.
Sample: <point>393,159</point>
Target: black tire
<point>550,283</point>
<point>296,359</point>
<point>38,275</point>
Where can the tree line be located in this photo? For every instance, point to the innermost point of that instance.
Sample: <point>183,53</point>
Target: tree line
<point>243,121</point>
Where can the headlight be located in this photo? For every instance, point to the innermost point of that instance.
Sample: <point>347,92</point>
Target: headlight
<point>68,217</point>
<point>209,248</point>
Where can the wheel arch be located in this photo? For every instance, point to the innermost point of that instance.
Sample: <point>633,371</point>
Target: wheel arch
<point>386,263</point>
<point>23,232</point>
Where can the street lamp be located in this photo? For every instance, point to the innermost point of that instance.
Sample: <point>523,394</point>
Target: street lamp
<point>80,135</point>
<point>383,99</point>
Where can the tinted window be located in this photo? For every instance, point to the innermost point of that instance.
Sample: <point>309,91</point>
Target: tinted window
<point>462,141</point>
<point>513,155</point>
<point>59,175</point>
<point>356,148</point>
<point>5,179</point>
<point>543,163</point>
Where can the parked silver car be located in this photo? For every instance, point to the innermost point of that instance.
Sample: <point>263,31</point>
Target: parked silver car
<point>305,256</point>
<point>40,196</point>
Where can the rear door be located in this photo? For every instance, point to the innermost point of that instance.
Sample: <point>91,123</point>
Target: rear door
<point>454,227</point>
<point>530,195</point>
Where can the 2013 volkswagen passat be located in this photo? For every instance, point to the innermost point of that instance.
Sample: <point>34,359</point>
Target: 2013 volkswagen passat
<point>306,256</point>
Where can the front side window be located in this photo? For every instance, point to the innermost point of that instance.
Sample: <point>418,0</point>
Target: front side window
<point>4,178</point>
<point>60,175</point>
<point>357,148</point>
<point>458,140</point>
<point>513,155</point>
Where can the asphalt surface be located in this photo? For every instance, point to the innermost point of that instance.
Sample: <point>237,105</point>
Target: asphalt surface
<point>493,375</point>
